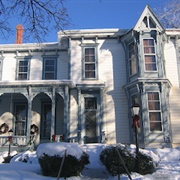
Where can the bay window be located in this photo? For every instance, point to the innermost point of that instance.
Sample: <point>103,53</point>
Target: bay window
<point>154,111</point>
<point>149,55</point>
<point>132,59</point>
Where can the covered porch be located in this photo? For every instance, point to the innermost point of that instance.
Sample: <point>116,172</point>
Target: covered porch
<point>35,111</point>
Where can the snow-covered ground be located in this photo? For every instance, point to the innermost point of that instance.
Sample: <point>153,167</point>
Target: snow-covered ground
<point>168,168</point>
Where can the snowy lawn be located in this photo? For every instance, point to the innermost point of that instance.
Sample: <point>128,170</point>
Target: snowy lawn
<point>168,168</point>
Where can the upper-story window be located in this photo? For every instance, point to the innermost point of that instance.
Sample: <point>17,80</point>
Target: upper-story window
<point>49,71</point>
<point>149,55</point>
<point>23,69</point>
<point>90,63</point>
<point>132,59</point>
<point>154,111</point>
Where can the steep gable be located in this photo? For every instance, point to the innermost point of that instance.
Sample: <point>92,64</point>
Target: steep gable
<point>148,21</point>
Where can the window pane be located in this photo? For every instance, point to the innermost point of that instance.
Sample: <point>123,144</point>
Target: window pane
<point>90,67</point>
<point>90,74</point>
<point>90,103</point>
<point>23,69</point>
<point>155,126</point>
<point>49,76</point>
<point>49,62</point>
<point>22,77</point>
<point>153,96</point>
<point>89,55</point>
<point>49,68</point>
<point>23,63</point>
<point>132,60</point>
<point>154,105</point>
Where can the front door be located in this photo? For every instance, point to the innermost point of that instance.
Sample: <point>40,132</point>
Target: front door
<point>20,111</point>
<point>46,121</point>
<point>91,119</point>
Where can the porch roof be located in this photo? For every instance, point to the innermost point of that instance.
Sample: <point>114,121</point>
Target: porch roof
<point>36,83</point>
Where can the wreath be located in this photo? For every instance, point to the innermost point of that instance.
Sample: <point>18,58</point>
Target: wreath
<point>4,128</point>
<point>34,129</point>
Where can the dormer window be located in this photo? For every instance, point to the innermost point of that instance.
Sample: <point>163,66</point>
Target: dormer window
<point>149,54</point>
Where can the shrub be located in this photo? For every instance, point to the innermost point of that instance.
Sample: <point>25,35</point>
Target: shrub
<point>142,163</point>
<point>109,157</point>
<point>50,163</point>
<point>146,165</point>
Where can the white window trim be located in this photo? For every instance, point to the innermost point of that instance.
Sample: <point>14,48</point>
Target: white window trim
<point>83,60</point>
<point>150,54</point>
<point>160,111</point>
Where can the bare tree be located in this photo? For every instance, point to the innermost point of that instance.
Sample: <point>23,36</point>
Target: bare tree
<point>169,14</point>
<point>38,17</point>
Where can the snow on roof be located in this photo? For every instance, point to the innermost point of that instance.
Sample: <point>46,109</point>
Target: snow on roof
<point>58,149</point>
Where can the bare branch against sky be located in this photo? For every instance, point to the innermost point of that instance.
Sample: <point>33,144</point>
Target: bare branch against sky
<point>169,14</point>
<point>38,17</point>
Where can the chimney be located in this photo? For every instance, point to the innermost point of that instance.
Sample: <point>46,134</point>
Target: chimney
<point>19,33</point>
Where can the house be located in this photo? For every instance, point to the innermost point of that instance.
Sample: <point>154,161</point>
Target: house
<point>80,89</point>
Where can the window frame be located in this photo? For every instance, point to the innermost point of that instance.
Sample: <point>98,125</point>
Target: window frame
<point>130,59</point>
<point>50,58</point>
<point>95,63</point>
<point>23,59</point>
<point>44,121</point>
<point>150,54</point>
<point>155,111</point>
<point>20,121</point>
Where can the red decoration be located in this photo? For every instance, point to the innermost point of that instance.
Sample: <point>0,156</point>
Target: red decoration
<point>10,139</point>
<point>136,121</point>
<point>53,137</point>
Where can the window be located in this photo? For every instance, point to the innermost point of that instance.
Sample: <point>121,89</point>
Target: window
<point>1,69</point>
<point>149,55</point>
<point>20,118</point>
<point>23,69</point>
<point>49,68</point>
<point>132,59</point>
<point>90,68</point>
<point>154,111</point>
<point>46,120</point>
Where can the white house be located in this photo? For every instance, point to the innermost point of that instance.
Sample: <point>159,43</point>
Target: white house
<point>82,87</point>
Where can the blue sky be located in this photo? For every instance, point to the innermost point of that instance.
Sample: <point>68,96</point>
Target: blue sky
<point>94,14</point>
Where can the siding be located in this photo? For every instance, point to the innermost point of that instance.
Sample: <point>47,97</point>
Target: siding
<point>174,100</point>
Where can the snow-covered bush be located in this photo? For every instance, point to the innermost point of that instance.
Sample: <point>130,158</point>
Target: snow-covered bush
<point>50,156</point>
<point>109,157</point>
<point>144,163</point>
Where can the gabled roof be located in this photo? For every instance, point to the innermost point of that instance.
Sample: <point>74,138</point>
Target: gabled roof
<point>148,13</point>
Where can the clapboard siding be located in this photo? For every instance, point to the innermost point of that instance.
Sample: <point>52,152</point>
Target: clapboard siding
<point>174,99</point>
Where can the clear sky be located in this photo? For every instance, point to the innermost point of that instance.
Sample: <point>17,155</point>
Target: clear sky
<point>94,14</point>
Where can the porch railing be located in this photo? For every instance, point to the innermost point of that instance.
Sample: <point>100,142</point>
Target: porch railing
<point>16,140</point>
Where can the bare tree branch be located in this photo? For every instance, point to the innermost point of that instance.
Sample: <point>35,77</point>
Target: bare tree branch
<point>39,17</point>
<point>169,14</point>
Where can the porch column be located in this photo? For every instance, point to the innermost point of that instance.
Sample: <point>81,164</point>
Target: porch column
<point>53,112</point>
<point>79,118</point>
<point>102,125</point>
<point>66,113</point>
<point>29,114</point>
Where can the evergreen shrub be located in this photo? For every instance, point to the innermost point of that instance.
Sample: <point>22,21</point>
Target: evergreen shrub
<point>109,157</point>
<point>142,163</point>
<point>72,166</point>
